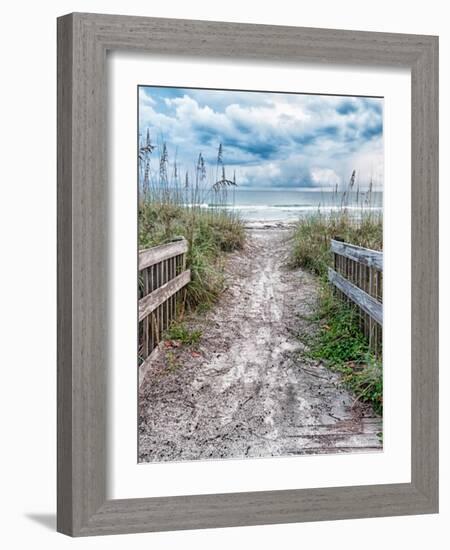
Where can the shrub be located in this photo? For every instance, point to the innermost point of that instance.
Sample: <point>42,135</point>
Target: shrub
<point>210,233</point>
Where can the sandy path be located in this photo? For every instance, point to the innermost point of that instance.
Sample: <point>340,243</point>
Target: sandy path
<point>250,391</point>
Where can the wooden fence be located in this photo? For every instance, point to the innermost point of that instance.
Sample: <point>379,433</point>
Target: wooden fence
<point>358,279</point>
<point>162,278</point>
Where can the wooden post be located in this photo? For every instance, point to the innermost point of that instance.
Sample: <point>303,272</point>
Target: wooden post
<point>146,331</point>
<point>164,276</point>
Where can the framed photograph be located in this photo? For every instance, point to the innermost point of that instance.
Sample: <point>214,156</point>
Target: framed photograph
<point>247,274</point>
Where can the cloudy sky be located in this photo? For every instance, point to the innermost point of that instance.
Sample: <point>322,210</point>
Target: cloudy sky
<point>270,139</point>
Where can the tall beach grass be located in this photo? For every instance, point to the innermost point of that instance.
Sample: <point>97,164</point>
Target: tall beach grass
<point>312,236</point>
<point>172,204</point>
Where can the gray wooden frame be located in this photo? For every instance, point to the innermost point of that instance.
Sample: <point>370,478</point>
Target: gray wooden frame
<point>83,40</point>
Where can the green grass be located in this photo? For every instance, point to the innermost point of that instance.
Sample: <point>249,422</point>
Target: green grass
<point>179,332</point>
<point>210,233</point>
<point>339,342</point>
<point>313,234</point>
<point>342,347</point>
<point>340,339</point>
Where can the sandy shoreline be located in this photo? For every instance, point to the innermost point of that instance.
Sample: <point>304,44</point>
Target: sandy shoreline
<point>262,224</point>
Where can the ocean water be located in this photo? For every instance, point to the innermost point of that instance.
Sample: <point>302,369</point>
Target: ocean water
<point>282,206</point>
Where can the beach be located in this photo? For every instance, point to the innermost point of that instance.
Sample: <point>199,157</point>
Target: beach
<point>272,208</point>
<point>249,389</point>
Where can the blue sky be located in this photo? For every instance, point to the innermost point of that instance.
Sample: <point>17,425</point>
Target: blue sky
<point>271,140</point>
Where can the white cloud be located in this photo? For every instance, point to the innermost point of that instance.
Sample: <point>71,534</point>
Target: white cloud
<point>144,98</point>
<point>326,177</point>
<point>283,140</point>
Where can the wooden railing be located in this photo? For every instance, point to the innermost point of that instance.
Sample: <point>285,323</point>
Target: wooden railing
<point>162,278</point>
<point>358,279</point>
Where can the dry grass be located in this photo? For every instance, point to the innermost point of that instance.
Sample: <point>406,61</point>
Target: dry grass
<point>210,234</point>
<point>313,234</point>
<point>172,204</point>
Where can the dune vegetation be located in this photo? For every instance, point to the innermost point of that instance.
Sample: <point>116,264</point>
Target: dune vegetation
<point>172,205</point>
<point>339,341</point>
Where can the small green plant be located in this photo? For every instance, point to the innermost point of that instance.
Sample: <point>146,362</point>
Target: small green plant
<point>180,333</point>
<point>340,339</point>
<point>367,383</point>
<point>172,363</point>
<point>341,345</point>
